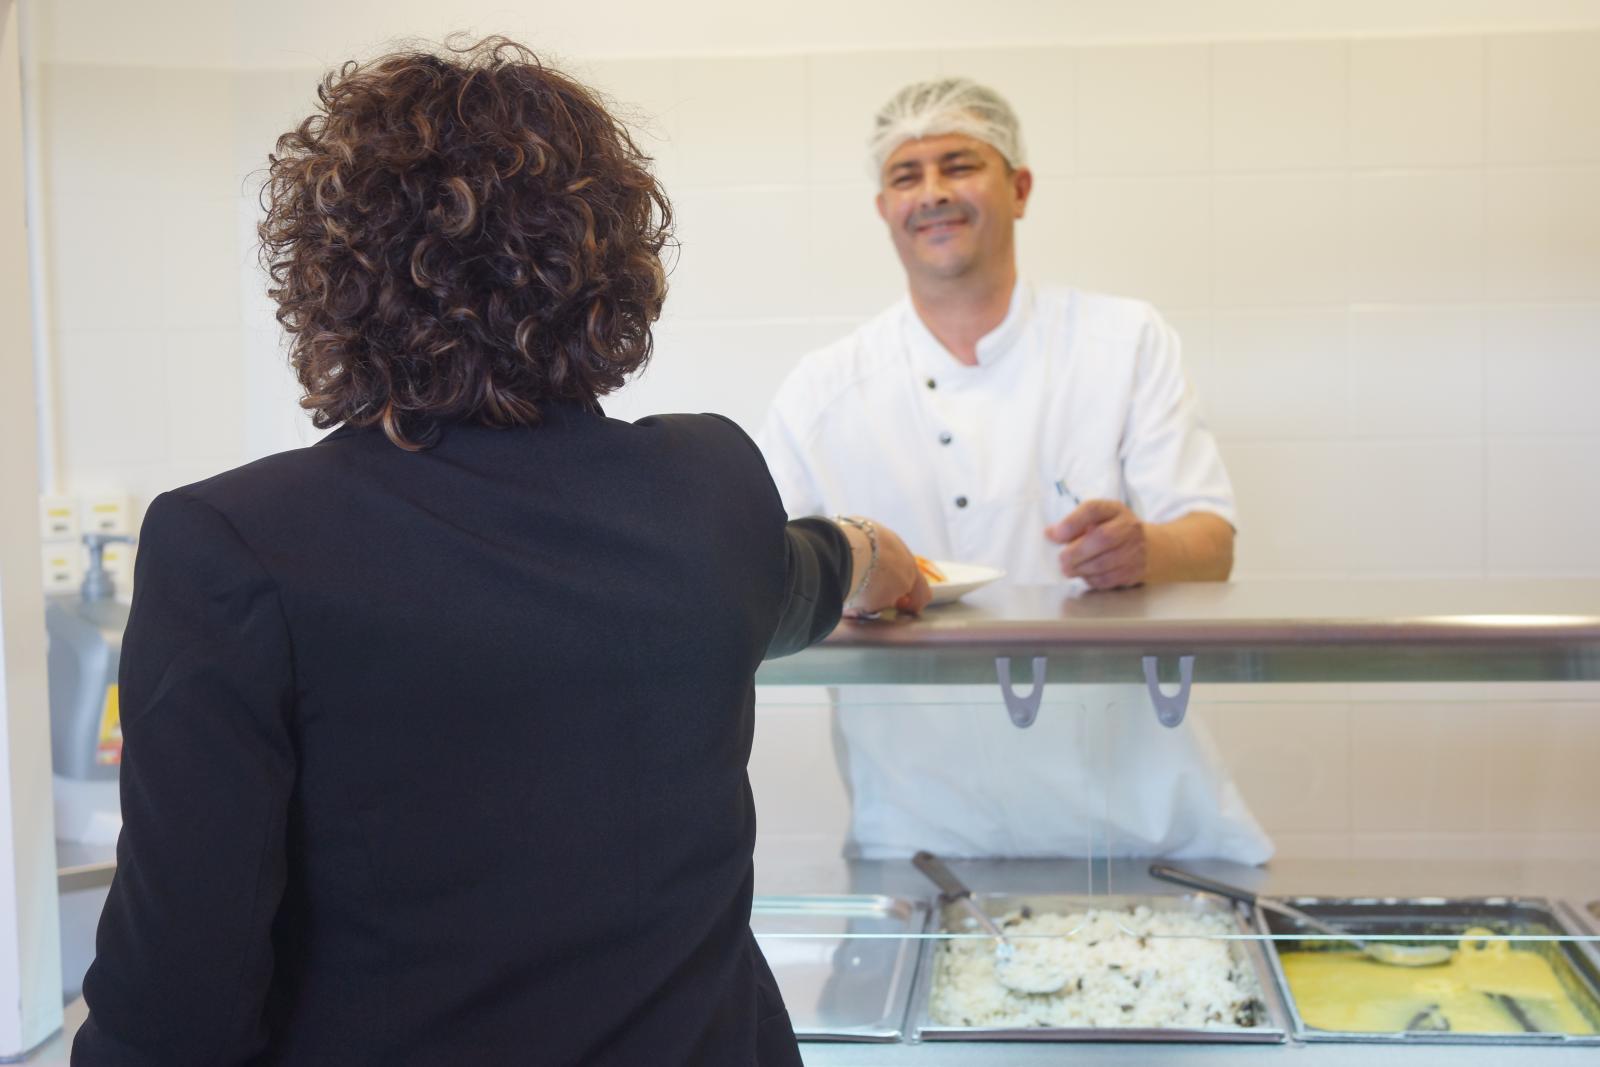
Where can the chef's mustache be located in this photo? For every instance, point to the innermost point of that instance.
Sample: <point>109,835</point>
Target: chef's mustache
<point>939,213</point>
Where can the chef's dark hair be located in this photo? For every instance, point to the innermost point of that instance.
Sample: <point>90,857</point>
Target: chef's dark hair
<point>460,234</point>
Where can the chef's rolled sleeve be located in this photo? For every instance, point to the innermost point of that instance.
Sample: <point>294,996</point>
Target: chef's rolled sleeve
<point>1170,459</point>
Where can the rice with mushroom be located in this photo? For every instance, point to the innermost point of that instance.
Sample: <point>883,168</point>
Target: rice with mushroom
<point>1169,972</point>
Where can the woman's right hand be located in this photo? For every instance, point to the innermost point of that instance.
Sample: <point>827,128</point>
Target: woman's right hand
<point>896,582</point>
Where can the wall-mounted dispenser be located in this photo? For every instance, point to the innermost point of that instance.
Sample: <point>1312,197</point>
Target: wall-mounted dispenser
<point>85,631</point>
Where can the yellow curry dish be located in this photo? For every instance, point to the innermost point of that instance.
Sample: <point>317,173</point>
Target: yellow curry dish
<point>1487,987</point>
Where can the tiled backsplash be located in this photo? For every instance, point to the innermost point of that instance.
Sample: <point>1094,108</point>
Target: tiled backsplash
<point>1383,255</point>
<point>1417,772</point>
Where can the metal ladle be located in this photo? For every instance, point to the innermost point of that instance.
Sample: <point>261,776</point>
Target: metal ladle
<point>1382,951</point>
<point>1027,971</point>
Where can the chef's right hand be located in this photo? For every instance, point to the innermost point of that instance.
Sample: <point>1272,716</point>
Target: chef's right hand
<point>896,582</point>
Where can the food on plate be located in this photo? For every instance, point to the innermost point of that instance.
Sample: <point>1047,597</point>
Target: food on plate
<point>930,569</point>
<point>1480,991</point>
<point>1170,971</point>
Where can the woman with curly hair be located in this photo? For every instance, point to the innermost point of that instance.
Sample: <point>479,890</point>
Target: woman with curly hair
<point>435,732</point>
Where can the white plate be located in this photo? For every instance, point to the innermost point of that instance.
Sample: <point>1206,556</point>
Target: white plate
<point>961,579</point>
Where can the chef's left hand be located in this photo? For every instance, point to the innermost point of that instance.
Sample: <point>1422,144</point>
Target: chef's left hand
<point>1106,544</point>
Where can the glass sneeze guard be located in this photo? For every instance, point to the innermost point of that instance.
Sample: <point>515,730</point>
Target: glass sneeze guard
<point>1421,786</point>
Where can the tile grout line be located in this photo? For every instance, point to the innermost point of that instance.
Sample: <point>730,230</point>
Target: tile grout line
<point>1349,265</point>
<point>1483,306</point>
<point>1211,185</point>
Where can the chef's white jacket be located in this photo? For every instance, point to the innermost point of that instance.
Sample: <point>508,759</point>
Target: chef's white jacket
<point>1074,396</point>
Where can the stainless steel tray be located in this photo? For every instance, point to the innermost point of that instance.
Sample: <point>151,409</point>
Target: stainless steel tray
<point>1272,1030</point>
<point>1576,963</point>
<point>843,963</point>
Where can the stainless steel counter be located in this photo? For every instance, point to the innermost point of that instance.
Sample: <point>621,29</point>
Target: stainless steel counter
<point>55,1053</point>
<point>1363,631</point>
<point>1576,880</point>
<point>997,1054</point>
<point>1265,631</point>
<point>81,866</point>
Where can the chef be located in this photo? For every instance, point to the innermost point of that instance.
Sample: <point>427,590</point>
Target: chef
<point>1037,429</point>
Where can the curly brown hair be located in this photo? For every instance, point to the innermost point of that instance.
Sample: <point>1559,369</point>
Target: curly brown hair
<point>460,236</point>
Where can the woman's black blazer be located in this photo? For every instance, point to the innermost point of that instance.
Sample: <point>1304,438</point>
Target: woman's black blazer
<point>439,757</point>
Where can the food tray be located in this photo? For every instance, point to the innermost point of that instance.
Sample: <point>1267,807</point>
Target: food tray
<point>1576,965</point>
<point>1271,1030</point>
<point>843,963</point>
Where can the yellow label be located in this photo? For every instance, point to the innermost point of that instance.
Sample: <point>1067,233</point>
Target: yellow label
<point>109,751</point>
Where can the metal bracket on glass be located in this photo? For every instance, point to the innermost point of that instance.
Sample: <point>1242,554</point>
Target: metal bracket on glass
<point>1023,710</point>
<point>1169,709</point>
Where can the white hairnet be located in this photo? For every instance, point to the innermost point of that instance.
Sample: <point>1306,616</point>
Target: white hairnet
<point>948,105</point>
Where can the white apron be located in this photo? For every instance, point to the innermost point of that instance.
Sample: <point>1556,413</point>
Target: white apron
<point>1072,389</point>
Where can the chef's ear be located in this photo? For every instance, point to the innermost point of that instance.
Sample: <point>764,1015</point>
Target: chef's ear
<point>1021,186</point>
<point>882,211</point>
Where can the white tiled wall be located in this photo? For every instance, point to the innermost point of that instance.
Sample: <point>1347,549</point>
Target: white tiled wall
<point>1418,370</point>
<point>1153,233</point>
<point>1384,253</point>
<point>1419,779</point>
<point>1279,105</point>
<point>1141,109</point>
<point>1398,119</point>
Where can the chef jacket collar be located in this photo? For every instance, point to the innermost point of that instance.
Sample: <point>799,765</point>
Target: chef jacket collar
<point>934,358</point>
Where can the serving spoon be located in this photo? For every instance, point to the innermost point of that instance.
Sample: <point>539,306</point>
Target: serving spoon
<point>1382,951</point>
<point>1021,969</point>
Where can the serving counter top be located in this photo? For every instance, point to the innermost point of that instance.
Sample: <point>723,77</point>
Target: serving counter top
<point>1000,1054</point>
<point>1246,631</point>
<point>55,1053</point>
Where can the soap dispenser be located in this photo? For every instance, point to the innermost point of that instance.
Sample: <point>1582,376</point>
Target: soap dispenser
<point>85,632</point>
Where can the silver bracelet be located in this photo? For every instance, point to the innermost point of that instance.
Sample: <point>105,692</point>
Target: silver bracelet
<point>869,528</point>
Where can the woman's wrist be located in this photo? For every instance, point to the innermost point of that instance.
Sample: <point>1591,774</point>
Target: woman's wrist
<point>860,553</point>
<point>863,537</point>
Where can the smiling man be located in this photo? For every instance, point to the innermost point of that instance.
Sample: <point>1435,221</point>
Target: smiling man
<point>1041,430</point>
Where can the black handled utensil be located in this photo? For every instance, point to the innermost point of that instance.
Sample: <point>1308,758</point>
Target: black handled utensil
<point>1382,951</point>
<point>1029,971</point>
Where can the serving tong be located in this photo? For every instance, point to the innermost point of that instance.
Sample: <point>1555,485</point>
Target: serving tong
<point>1382,951</point>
